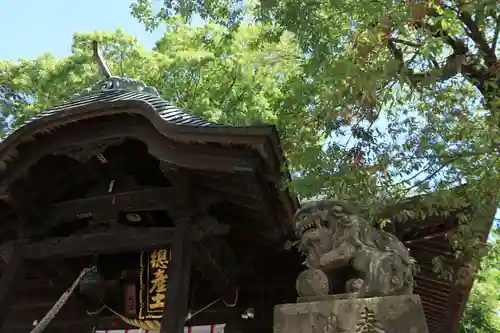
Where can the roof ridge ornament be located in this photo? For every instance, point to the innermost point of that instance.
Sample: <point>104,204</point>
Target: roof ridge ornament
<point>111,82</point>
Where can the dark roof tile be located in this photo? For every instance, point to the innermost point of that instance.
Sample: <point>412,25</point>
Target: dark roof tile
<point>167,111</point>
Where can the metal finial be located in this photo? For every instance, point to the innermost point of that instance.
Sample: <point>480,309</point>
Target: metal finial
<point>111,82</point>
<point>100,60</point>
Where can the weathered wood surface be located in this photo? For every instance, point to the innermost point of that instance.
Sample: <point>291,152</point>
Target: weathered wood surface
<point>10,281</point>
<point>113,241</point>
<point>157,198</point>
<point>176,305</point>
<point>131,127</point>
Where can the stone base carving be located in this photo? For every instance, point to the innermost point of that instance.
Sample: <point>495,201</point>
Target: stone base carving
<point>388,314</point>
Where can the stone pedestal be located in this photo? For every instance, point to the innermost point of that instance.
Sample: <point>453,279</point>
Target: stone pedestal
<point>389,314</point>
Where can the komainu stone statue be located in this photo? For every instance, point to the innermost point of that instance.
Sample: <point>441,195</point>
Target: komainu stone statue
<point>372,267</point>
<point>332,235</point>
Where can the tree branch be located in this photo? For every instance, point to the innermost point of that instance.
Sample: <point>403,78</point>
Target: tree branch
<point>457,62</point>
<point>473,71</point>
<point>405,42</point>
<point>448,158</point>
<point>420,182</point>
<point>496,34</point>
<point>478,38</point>
<point>449,70</point>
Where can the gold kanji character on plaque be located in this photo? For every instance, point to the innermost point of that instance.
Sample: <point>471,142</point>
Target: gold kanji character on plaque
<point>159,282</point>
<point>159,259</point>
<point>158,288</point>
<point>158,301</point>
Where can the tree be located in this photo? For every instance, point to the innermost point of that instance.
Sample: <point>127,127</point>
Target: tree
<point>482,312</point>
<point>222,80</point>
<point>404,93</point>
<point>446,37</point>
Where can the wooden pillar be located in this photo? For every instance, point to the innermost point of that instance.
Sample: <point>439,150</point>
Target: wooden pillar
<point>176,302</point>
<point>10,281</point>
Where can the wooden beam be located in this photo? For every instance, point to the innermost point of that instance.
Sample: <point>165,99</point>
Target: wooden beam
<point>158,198</point>
<point>176,304</point>
<point>239,199</point>
<point>213,158</point>
<point>10,280</point>
<point>115,241</point>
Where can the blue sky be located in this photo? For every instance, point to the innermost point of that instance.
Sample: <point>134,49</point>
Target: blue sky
<point>31,28</point>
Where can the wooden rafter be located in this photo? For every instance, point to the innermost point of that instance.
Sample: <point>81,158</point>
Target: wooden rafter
<point>157,198</point>
<point>113,241</point>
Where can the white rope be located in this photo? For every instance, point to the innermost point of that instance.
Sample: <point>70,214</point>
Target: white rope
<point>191,315</point>
<point>155,324</point>
<point>59,304</point>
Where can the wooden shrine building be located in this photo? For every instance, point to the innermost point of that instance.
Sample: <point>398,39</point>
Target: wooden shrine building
<point>156,199</point>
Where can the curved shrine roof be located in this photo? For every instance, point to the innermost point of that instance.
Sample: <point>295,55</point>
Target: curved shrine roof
<point>167,112</point>
<point>134,93</point>
<point>132,97</point>
<point>250,148</point>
